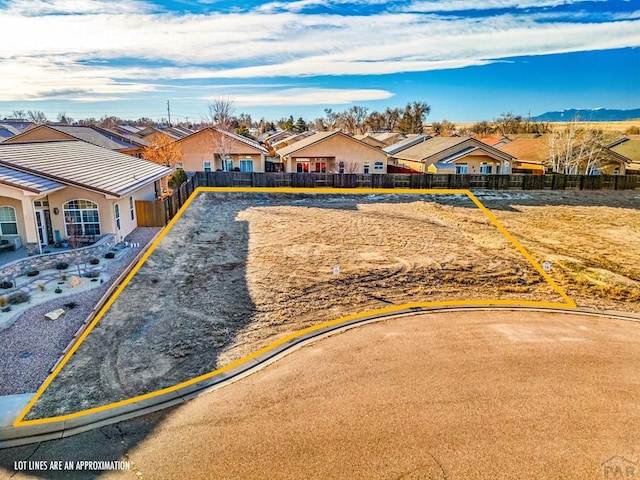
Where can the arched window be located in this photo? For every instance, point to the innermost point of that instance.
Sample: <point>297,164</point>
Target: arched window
<point>8,224</point>
<point>81,217</point>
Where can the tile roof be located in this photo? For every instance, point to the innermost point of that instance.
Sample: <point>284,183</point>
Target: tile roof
<point>432,146</point>
<point>629,147</point>
<point>310,140</point>
<point>451,147</point>
<point>235,136</point>
<point>491,139</point>
<point>82,164</point>
<point>404,144</point>
<point>27,181</point>
<point>529,149</point>
<point>95,137</point>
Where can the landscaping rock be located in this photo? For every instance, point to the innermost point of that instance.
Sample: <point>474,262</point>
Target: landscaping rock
<point>75,281</point>
<point>55,314</point>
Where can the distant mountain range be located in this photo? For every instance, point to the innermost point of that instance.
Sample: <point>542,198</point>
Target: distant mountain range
<point>589,115</point>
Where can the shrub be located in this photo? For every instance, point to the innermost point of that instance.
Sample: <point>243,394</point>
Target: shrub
<point>41,287</point>
<point>3,301</point>
<point>94,261</point>
<point>32,273</point>
<point>62,265</point>
<point>110,255</point>
<point>70,305</point>
<point>58,290</point>
<point>18,297</point>
<point>178,178</point>
<point>6,284</point>
<point>63,277</point>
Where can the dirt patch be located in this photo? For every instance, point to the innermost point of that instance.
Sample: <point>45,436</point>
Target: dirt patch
<point>239,271</point>
<point>591,239</point>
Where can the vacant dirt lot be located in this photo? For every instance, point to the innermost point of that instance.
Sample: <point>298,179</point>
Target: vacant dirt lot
<point>239,271</point>
<point>591,239</point>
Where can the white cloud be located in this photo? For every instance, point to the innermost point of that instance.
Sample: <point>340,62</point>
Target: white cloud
<point>432,6</point>
<point>80,55</point>
<point>310,96</point>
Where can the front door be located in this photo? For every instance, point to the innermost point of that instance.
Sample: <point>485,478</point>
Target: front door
<point>41,221</point>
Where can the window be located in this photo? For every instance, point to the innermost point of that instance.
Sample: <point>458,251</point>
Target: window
<point>179,165</point>
<point>302,167</point>
<point>378,166</point>
<point>132,208</point>
<point>366,168</point>
<point>81,217</point>
<point>246,165</point>
<point>117,210</point>
<point>461,169</point>
<point>486,169</point>
<point>206,166</point>
<point>321,167</point>
<point>8,224</point>
<point>616,171</point>
<point>341,167</point>
<point>229,165</point>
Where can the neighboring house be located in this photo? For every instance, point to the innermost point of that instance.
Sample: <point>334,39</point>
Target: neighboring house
<point>94,136</point>
<point>459,155</point>
<point>628,147</point>
<point>48,190</point>
<point>9,127</point>
<point>389,138</point>
<point>332,152</point>
<point>370,140</point>
<point>491,139</point>
<point>531,153</point>
<point>203,151</point>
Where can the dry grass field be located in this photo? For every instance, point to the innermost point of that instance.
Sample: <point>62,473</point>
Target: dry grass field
<point>238,272</point>
<point>608,128</point>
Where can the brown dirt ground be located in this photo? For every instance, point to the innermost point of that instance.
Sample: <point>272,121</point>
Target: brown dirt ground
<point>466,395</point>
<point>233,276</point>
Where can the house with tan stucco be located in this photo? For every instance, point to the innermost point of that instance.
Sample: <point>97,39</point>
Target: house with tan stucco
<point>212,149</point>
<point>460,155</point>
<point>52,190</point>
<point>332,152</point>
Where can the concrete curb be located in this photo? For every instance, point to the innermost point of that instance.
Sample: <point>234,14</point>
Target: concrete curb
<point>17,436</point>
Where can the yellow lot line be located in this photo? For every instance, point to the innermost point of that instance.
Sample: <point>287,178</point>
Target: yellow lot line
<point>570,304</point>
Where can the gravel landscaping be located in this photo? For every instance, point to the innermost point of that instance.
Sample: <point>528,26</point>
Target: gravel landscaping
<point>32,345</point>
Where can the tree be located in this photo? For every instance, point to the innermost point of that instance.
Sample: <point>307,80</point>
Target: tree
<point>221,112</point>
<point>482,127</point>
<point>352,119</point>
<point>177,179</point>
<point>507,123</point>
<point>444,128</point>
<point>19,114</point>
<point>163,150</point>
<point>575,151</point>
<point>300,126</point>
<point>413,116</point>
<point>37,116</point>
<point>64,119</point>
<point>221,117</point>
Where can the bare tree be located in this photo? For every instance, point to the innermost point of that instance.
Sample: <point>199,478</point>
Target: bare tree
<point>37,116</point>
<point>575,151</point>
<point>221,118</point>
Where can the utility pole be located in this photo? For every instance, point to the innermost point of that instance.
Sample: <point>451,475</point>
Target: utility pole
<point>169,112</point>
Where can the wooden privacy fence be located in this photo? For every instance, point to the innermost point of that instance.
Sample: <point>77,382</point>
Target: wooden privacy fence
<point>158,213</point>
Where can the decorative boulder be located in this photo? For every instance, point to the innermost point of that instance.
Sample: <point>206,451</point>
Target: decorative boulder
<point>75,281</point>
<point>55,314</point>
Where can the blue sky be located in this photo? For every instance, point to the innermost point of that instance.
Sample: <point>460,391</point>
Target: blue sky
<point>470,60</point>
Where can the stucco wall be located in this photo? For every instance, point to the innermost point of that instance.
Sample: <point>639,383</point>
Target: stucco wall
<point>203,146</point>
<point>343,149</point>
